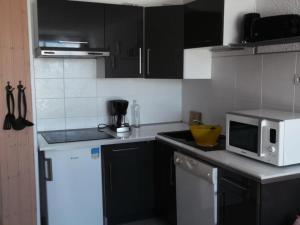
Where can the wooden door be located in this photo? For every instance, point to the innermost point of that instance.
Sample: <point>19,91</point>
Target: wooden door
<point>17,180</point>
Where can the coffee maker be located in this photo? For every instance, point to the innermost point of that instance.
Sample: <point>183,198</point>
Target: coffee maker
<point>118,111</point>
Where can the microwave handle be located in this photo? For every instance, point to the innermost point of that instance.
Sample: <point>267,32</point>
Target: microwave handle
<point>260,141</point>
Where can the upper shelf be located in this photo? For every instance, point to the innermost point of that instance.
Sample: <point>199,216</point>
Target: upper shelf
<point>291,44</point>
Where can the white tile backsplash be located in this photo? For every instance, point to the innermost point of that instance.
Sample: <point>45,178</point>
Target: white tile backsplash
<point>80,68</point>
<point>50,108</point>
<point>278,81</point>
<point>71,94</point>
<point>49,88</point>
<point>243,82</point>
<point>80,88</point>
<point>81,107</point>
<point>48,68</point>
<point>248,82</point>
<point>51,124</point>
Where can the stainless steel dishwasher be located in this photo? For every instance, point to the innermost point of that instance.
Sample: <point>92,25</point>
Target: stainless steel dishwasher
<point>196,191</point>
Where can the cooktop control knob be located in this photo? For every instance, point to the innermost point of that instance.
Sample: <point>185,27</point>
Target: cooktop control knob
<point>272,149</point>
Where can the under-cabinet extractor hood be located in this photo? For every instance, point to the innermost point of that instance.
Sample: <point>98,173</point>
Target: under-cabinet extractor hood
<point>70,29</point>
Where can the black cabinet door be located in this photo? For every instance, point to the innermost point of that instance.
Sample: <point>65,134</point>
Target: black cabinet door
<point>203,23</point>
<point>124,40</point>
<point>164,42</point>
<point>239,200</point>
<point>128,176</point>
<point>71,24</point>
<point>166,183</point>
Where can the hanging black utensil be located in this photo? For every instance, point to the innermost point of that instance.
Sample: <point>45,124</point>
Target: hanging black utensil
<point>19,124</point>
<point>25,121</point>
<point>10,119</point>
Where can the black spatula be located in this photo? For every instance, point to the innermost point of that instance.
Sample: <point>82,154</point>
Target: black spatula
<point>25,121</point>
<point>10,119</point>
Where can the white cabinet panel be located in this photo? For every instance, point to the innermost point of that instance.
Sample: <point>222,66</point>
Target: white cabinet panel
<point>197,63</point>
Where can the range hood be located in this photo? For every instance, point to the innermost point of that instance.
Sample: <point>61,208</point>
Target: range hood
<point>70,29</point>
<point>68,53</point>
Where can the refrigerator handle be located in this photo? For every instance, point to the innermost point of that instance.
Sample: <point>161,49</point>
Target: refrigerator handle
<point>48,172</point>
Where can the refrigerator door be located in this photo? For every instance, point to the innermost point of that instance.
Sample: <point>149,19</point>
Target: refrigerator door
<point>74,187</point>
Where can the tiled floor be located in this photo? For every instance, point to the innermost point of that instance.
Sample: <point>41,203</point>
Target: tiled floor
<point>146,222</point>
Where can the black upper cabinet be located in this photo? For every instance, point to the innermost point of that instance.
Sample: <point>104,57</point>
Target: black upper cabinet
<point>128,178</point>
<point>164,42</point>
<point>203,23</point>
<point>124,40</point>
<point>71,24</point>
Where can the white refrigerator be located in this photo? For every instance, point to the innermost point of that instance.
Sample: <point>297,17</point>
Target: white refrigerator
<point>74,187</point>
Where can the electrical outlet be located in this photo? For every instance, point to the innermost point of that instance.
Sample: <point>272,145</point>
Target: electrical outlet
<point>297,79</point>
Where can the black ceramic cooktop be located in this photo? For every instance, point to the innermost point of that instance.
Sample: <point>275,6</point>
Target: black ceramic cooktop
<point>64,136</point>
<point>186,137</point>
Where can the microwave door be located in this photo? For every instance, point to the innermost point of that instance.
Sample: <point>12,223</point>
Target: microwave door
<point>244,136</point>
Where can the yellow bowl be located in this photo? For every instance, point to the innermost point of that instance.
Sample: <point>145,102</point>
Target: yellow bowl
<point>206,135</point>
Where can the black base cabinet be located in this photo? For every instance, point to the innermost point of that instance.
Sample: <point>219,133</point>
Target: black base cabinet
<point>247,202</point>
<point>165,183</point>
<point>238,200</point>
<point>128,181</point>
<point>139,182</point>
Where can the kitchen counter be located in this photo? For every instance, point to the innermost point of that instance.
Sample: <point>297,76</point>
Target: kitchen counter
<point>144,133</point>
<point>259,171</point>
<point>256,170</point>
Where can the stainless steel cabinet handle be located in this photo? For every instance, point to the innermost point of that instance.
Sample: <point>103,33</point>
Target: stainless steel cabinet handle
<point>73,42</point>
<point>110,178</point>
<point>171,172</point>
<point>140,61</point>
<point>148,61</point>
<point>48,172</point>
<point>124,149</point>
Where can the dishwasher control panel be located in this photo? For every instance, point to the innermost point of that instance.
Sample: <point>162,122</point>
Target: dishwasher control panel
<point>196,167</point>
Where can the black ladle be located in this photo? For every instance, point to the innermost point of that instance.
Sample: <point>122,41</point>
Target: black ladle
<point>10,119</point>
<point>19,124</point>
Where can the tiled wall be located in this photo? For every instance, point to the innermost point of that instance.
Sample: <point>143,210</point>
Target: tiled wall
<point>245,82</point>
<point>71,94</point>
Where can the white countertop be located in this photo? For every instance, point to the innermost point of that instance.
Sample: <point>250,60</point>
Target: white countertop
<point>144,133</point>
<point>260,171</point>
<point>263,172</point>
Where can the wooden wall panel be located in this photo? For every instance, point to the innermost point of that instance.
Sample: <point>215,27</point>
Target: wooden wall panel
<point>17,180</point>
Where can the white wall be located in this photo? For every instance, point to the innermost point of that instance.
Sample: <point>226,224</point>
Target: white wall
<point>70,94</point>
<point>244,82</point>
<point>275,7</point>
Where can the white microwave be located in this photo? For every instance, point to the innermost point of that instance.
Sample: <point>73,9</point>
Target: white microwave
<point>265,135</point>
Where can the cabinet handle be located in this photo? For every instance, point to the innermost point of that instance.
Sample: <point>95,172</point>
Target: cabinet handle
<point>113,62</point>
<point>232,183</point>
<point>48,172</point>
<point>140,61</point>
<point>124,149</point>
<point>171,172</point>
<point>73,42</point>
<point>148,61</point>
<point>110,177</point>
